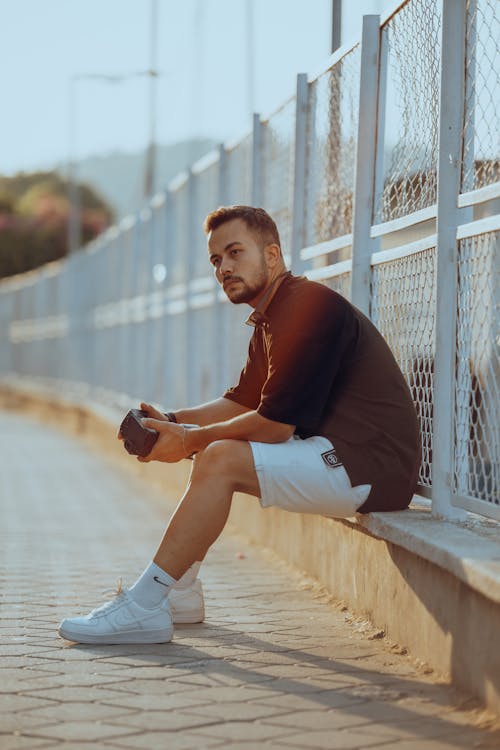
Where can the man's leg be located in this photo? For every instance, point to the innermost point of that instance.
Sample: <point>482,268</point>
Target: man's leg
<point>223,468</point>
<point>141,615</point>
<point>219,470</point>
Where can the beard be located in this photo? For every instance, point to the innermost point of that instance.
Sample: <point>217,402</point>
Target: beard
<point>246,291</point>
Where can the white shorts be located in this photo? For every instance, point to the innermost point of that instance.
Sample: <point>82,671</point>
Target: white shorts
<point>305,476</point>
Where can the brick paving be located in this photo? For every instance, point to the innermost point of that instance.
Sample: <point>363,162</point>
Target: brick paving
<point>273,666</point>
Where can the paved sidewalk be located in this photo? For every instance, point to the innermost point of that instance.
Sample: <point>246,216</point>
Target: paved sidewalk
<point>272,667</point>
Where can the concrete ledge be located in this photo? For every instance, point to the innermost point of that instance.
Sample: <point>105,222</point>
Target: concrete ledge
<point>431,585</point>
<point>469,550</point>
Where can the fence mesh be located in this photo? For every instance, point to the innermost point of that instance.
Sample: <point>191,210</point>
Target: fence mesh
<point>406,174</point>
<point>481,139</point>
<point>403,308</point>
<point>206,200</point>
<point>340,284</point>
<point>332,126</point>
<point>178,234</point>
<point>477,391</point>
<point>238,187</point>
<point>81,324</point>
<point>278,144</point>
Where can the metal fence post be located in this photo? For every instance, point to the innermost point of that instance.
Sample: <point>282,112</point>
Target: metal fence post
<point>191,336</point>
<point>221,343</point>
<point>257,161</point>
<point>155,344</point>
<point>135,341</point>
<point>167,389</point>
<point>298,240</point>
<point>470,52</point>
<point>379,177</point>
<point>466,291</point>
<point>448,188</point>
<point>362,244</point>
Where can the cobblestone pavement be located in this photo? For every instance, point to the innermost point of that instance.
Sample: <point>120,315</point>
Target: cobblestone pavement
<point>272,667</point>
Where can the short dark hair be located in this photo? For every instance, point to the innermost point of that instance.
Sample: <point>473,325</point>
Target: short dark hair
<point>257,220</point>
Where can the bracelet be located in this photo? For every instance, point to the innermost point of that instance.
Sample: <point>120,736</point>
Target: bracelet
<point>184,430</point>
<point>171,416</point>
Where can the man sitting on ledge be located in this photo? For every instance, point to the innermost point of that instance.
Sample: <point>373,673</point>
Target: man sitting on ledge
<point>321,421</point>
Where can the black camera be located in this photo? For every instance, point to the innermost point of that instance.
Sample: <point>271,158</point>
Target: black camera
<point>137,439</point>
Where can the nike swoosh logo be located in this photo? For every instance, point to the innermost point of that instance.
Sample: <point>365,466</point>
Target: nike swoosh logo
<point>155,578</point>
<point>123,618</point>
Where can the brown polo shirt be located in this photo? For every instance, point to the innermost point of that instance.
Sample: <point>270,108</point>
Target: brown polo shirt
<point>316,362</point>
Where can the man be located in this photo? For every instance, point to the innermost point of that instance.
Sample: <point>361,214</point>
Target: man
<point>321,421</point>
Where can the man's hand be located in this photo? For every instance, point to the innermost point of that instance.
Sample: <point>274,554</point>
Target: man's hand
<point>170,446</point>
<point>151,412</point>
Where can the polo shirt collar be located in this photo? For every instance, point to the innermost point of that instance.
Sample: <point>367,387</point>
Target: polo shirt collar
<point>257,317</point>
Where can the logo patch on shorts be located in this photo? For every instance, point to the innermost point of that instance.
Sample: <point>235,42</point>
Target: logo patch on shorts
<point>331,459</point>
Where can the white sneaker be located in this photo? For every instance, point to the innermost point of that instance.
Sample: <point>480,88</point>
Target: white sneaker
<point>187,605</point>
<point>121,621</point>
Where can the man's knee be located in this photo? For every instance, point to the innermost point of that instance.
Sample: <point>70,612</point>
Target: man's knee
<point>228,460</point>
<point>216,458</point>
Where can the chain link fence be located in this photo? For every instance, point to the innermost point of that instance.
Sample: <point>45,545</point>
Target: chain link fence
<point>178,234</point>
<point>277,160</point>
<point>144,291</point>
<point>332,125</point>
<point>481,138</point>
<point>406,178</point>
<point>403,309</point>
<point>476,468</point>
<point>340,283</point>
<point>238,186</point>
<point>202,324</point>
<point>206,199</point>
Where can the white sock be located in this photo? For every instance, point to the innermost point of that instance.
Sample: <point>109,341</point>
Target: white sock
<point>189,576</point>
<point>152,587</point>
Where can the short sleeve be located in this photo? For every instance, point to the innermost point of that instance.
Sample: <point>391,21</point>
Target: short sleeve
<point>253,376</point>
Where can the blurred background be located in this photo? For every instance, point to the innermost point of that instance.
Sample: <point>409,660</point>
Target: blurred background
<point>142,115</point>
<point>121,95</point>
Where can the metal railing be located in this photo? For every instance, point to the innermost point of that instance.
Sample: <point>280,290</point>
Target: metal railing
<point>382,173</point>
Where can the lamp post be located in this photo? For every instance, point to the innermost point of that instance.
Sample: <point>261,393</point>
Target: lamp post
<point>249,39</point>
<point>336,38</point>
<point>74,215</point>
<point>150,171</point>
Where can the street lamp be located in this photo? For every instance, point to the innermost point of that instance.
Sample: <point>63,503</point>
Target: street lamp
<point>336,25</point>
<point>149,173</point>
<point>74,216</point>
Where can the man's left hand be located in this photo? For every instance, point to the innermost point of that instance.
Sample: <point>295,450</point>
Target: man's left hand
<point>169,446</point>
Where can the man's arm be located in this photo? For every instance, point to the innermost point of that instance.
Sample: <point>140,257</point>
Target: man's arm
<point>249,426</point>
<point>212,412</point>
<point>175,442</point>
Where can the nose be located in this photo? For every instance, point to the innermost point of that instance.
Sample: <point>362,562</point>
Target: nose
<point>226,267</point>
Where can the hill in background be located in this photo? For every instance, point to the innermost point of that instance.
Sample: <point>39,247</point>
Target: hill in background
<point>119,176</point>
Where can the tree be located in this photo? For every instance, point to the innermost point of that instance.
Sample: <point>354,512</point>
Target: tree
<point>34,211</point>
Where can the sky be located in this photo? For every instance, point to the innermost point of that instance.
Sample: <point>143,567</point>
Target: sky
<point>202,57</point>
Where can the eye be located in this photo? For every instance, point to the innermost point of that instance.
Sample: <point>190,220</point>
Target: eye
<point>215,261</point>
<point>235,251</point>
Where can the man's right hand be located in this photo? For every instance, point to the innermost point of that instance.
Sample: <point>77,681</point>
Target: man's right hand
<point>152,414</point>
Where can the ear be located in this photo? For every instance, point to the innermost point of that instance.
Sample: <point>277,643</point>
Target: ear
<point>272,254</point>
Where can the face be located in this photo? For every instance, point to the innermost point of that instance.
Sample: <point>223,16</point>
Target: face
<point>239,262</point>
